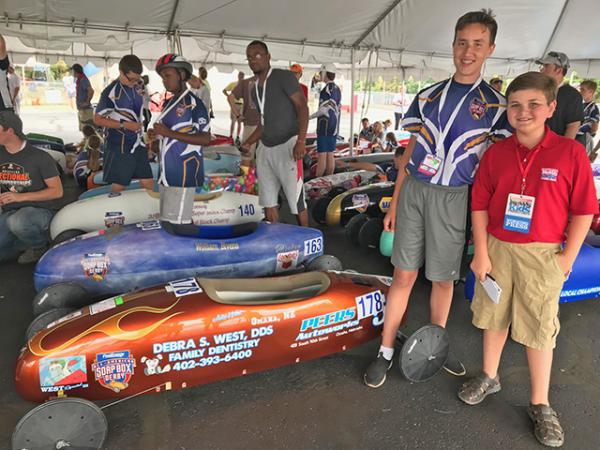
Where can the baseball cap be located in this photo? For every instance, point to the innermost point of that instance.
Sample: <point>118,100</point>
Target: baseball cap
<point>327,68</point>
<point>296,68</point>
<point>9,119</point>
<point>557,58</point>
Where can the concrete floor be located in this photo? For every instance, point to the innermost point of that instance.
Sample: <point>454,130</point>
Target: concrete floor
<point>324,403</point>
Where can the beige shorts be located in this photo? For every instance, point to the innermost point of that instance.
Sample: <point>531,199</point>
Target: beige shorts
<point>531,281</point>
<point>86,117</point>
<point>237,109</point>
<point>249,157</point>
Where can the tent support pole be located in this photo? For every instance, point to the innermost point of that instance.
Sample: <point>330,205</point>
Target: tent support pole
<point>351,137</point>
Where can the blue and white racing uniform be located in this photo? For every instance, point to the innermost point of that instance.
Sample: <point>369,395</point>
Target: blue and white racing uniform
<point>182,164</point>
<point>456,123</point>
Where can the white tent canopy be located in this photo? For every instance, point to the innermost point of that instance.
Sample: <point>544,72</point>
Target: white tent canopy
<point>411,36</point>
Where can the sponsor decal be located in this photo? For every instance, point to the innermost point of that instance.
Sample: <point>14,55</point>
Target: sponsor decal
<point>385,280</point>
<point>95,265</point>
<point>113,219</point>
<point>227,316</point>
<point>114,370</point>
<point>384,203</point>
<point>219,246</point>
<point>105,305</point>
<point>287,260</point>
<point>549,174</point>
<point>114,194</point>
<point>360,202</point>
<point>153,365</point>
<point>64,318</point>
<point>325,324</point>
<point>477,108</point>
<point>149,225</point>
<point>63,374</point>
<point>181,288</point>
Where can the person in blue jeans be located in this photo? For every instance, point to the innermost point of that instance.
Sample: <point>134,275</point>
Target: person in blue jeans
<point>29,185</point>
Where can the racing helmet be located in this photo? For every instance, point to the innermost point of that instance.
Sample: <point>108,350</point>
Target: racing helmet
<point>176,62</point>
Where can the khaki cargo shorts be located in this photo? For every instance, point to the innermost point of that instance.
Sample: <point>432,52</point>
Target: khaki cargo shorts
<point>531,281</point>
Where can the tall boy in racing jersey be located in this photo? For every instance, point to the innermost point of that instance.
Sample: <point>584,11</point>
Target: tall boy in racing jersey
<point>183,128</point>
<point>120,112</point>
<point>453,122</point>
<point>328,121</point>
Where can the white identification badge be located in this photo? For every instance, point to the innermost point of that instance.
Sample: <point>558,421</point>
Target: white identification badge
<point>518,214</point>
<point>430,165</point>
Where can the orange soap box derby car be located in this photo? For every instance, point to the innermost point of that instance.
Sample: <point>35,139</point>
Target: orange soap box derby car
<point>196,331</point>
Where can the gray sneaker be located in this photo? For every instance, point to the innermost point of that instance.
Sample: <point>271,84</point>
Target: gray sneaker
<point>32,254</point>
<point>376,372</point>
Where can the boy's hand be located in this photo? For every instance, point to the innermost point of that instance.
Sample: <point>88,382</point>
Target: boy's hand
<point>160,129</point>
<point>389,221</point>
<point>564,264</point>
<point>481,266</point>
<point>133,126</point>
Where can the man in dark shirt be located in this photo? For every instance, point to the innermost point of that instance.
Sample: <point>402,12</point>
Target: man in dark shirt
<point>29,181</point>
<point>83,96</point>
<point>569,105</point>
<point>282,134</point>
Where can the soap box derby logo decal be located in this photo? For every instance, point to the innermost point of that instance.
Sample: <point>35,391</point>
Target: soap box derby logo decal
<point>360,202</point>
<point>113,219</point>
<point>63,374</point>
<point>95,265</point>
<point>114,370</point>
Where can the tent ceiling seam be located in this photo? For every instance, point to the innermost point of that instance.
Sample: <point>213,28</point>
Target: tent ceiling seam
<point>377,21</point>
<point>555,29</point>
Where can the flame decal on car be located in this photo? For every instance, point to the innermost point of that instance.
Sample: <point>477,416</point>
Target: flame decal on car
<point>109,326</point>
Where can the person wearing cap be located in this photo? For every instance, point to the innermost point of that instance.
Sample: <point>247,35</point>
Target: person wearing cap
<point>282,134</point>
<point>182,128</point>
<point>236,108</point>
<point>496,83</point>
<point>120,112</point>
<point>249,115</point>
<point>296,69</point>
<point>568,114</point>
<point>83,96</point>
<point>328,121</point>
<point>5,97</point>
<point>29,185</point>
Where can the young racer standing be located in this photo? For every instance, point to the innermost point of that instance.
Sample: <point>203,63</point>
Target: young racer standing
<point>452,123</point>
<point>182,128</point>
<point>119,111</point>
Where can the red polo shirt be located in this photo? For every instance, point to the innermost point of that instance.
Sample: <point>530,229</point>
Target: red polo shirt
<point>560,179</point>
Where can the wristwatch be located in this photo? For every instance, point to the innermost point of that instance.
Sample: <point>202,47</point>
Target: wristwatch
<point>122,124</point>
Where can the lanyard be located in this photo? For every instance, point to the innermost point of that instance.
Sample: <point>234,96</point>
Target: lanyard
<point>525,170</point>
<point>261,101</point>
<point>444,132</point>
<point>165,111</point>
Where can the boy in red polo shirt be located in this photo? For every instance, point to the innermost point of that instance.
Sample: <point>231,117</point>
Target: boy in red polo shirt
<point>526,188</point>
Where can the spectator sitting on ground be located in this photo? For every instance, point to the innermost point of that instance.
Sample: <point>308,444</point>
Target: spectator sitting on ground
<point>29,181</point>
<point>89,161</point>
<point>366,131</point>
<point>387,126</point>
<point>377,138</point>
<point>390,142</point>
